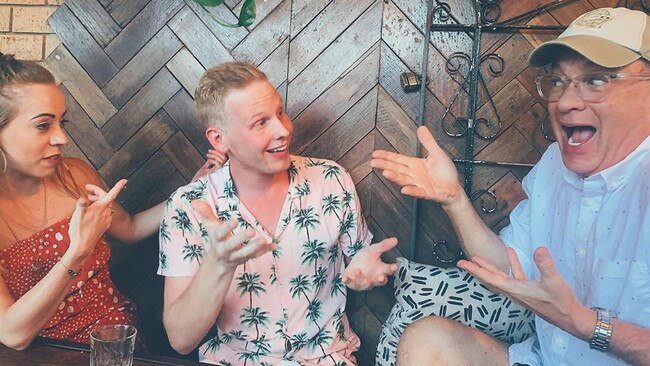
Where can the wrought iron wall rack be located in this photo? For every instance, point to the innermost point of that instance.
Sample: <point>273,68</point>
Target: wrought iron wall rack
<point>487,14</point>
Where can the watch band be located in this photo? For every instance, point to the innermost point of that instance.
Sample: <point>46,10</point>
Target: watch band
<point>603,332</point>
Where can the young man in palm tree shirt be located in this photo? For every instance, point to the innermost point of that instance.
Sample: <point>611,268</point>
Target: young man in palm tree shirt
<point>255,254</point>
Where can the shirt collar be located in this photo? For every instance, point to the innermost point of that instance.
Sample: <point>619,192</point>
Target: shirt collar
<point>613,177</point>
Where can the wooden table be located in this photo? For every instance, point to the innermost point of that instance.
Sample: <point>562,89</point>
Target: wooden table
<point>53,352</point>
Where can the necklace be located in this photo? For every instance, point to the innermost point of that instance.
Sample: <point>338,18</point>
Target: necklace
<point>37,263</point>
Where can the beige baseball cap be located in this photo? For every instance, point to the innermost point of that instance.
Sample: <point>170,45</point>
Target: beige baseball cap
<point>609,37</point>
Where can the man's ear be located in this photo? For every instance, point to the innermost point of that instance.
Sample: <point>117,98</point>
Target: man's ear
<point>216,139</point>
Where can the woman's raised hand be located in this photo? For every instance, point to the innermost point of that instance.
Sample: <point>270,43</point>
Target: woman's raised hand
<point>90,220</point>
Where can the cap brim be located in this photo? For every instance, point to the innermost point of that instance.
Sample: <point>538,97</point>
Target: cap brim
<point>597,50</point>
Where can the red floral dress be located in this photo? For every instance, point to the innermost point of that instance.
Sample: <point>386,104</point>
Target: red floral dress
<point>93,299</point>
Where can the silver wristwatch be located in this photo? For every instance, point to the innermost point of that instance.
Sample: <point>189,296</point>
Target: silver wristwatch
<point>603,332</point>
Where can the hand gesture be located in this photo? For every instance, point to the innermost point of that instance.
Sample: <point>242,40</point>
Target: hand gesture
<point>230,250</point>
<point>90,220</point>
<point>366,270</point>
<point>434,177</point>
<point>550,297</point>
<point>216,159</point>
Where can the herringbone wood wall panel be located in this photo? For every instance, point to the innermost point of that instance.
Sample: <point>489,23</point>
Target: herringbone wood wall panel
<point>129,69</point>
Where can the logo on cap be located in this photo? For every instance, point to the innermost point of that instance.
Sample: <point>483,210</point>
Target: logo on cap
<point>594,19</point>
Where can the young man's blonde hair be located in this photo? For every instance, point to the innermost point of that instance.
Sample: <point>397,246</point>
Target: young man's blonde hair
<point>214,86</point>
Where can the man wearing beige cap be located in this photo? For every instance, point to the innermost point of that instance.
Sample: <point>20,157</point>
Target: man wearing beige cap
<point>577,251</point>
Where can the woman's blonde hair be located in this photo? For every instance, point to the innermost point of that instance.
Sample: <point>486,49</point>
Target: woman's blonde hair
<point>15,73</point>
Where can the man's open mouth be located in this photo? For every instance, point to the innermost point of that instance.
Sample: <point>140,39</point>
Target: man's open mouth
<point>578,135</point>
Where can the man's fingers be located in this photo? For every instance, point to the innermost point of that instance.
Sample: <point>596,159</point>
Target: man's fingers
<point>427,140</point>
<point>515,265</point>
<point>544,262</point>
<point>384,245</point>
<point>253,249</point>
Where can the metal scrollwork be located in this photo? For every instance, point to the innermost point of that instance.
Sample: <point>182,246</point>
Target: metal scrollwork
<point>442,12</point>
<point>495,65</point>
<point>444,254</point>
<point>490,11</point>
<point>492,204</point>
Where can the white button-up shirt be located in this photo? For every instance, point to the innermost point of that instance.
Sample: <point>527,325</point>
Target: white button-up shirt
<point>597,230</point>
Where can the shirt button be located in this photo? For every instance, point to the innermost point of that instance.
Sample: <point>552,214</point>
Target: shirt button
<point>582,252</point>
<point>559,342</point>
<point>287,345</point>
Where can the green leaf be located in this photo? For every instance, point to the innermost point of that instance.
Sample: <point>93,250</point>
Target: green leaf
<point>209,2</point>
<point>247,13</point>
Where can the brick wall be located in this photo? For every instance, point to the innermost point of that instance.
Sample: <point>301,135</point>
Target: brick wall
<point>24,30</point>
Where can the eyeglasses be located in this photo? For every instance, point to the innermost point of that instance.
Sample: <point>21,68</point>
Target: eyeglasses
<point>592,88</point>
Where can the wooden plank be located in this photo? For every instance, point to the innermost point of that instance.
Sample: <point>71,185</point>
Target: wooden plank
<point>181,109</point>
<point>405,40</point>
<point>139,148</point>
<point>508,191</point>
<point>180,151</point>
<point>275,66</point>
<point>322,31</point>
<point>347,131</point>
<point>330,65</point>
<point>146,180</point>
<point>390,214</point>
<point>140,108</point>
<point>73,150</point>
<point>511,103</point>
<point>125,10</point>
<point>105,3</point>
<point>395,125</point>
<point>357,160</point>
<point>515,54</point>
<point>332,104</point>
<point>303,11</point>
<point>264,8</point>
<point>142,67</point>
<point>141,29</point>
<point>406,202</point>
<point>82,45</point>
<point>229,37</point>
<point>85,133</point>
<point>96,20</point>
<point>512,146</point>
<point>169,185</point>
<point>66,69</point>
<point>266,37</point>
<point>186,69</point>
<point>530,126</point>
<point>198,39</point>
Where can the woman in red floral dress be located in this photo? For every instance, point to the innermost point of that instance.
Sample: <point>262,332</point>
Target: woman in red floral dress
<point>54,211</point>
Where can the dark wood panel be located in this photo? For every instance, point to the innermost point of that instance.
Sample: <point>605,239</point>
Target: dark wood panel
<point>142,67</point>
<point>80,85</point>
<point>85,133</point>
<point>267,36</point>
<point>139,148</point>
<point>181,109</point>
<point>198,39</point>
<point>322,31</point>
<point>96,20</point>
<point>335,60</point>
<point>180,151</point>
<point>328,107</point>
<point>125,10</point>
<point>141,29</point>
<point>82,45</point>
<point>140,108</point>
